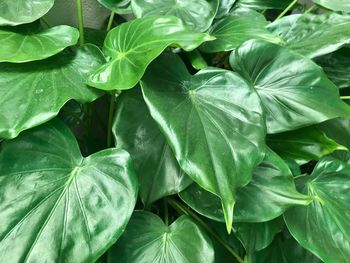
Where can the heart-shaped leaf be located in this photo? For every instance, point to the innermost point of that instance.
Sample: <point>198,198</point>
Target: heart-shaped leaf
<point>117,6</point>
<point>269,194</point>
<point>55,204</point>
<point>264,4</point>
<point>133,45</point>
<point>295,91</point>
<point>313,35</point>
<point>335,5</point>
<point>328,215</point>
<point>239,26</point>
<point>32,93</point>
<point>135,130</point>
<point>148,239</point>
<point>31,42</point>
<point>16,12</point>
<point>212,121</point>
<point>196,15</point>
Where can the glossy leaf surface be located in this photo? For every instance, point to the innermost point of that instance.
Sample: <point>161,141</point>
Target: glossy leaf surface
<point>270,193</point>
<point>16,12</point>
<point>224,7</point>
<point>335,5</point>
<point>146,39</point>
<point>148,239</point>
<point>196,15</point>
<point>212,121</point>
<point>117,6</point>
<point>55,204</point>
<point>313,35</point>
<point>236,28</point>
<point>34,92</point>
<point>264,4</point>
<point>328,215</point>
<point>295,91</point>
<point>31,42</point>
<point>135,130</point>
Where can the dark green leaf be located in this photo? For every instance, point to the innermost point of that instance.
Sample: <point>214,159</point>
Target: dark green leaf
<point>336,5</point>
<point>133,45</point>
<point>323,227</point>
<point>264,4</point>
<point>196,15</point>
<point>212,121</point>
<point>295,91</point>
<point>135,130</point>
<point>117,6</point>
<point>31,42</point>
<point>55,204</point>
<point>148,239</point>
<point>224,7</point>
<point>32,93</point>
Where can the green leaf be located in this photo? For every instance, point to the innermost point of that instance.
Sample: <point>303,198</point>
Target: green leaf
<point>212,121</point>
<point>269,194</point>
<point>31,42</point>
<point>148,239</point>
<point>303,145</point>
<point>117,6</point>
<point>196,15</point>
<point>236,28</point>
<point>335,5</point>
<point>34,92</point>
<point>323,227</point>
<point>224,7</point>
<point>135,130</point>
<point>16,12</point>
<point>337,67</point>
<point>295,91</point>
<point>264,4</point>
<point>55,204</point>
<point>313,35</point>
<point>135,44</point>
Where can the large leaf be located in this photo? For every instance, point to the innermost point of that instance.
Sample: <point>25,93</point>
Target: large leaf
<point>336,5</point>
<point>270,193</point>
<point>16,12</point>
<point>313,35</point>
<point>55,204</point>
<point>234,29</point>
<point>196,15</point>
<point>135,130</point>
<point>294,91</point>
<point>117,6</point>
<point>212,120</point>
<point>323,227</point>
<point>303,145</point>
<point>32,42</point>
<point>133,45</point>
<point>34,92</point>
<point>264,4</point>
<point>148,239</point>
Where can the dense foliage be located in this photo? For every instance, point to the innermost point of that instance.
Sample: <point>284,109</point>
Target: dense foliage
<point>185,131</point>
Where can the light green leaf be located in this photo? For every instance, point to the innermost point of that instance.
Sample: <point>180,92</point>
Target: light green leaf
<point>117,6</point>
<point>34,92</point>
<point>16,12</point>
<point>264,4</point>
<point>135,130</point>
<point>148,239</point>
<point>295,91</point>
<point>31,42</point>
<point>236,28</point>
<point>323,227</point>
<point>335,5</point>
<point>212,121</point>
<point>313,35</point>
<point>135,44</point>
<point>55,204</point>
<point>196,15</point>
<point>269,194</point>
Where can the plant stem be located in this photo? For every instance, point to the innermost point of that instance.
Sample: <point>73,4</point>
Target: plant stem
<point>110,119</point>
<point>80,21</point>
<point>110,21</point>
<point>287,9</point>
<point>184,210</point>
<point>310,9</point>
<point>345,97</point>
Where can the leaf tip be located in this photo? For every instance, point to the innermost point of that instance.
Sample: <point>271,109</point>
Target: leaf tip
<point>228,207</point>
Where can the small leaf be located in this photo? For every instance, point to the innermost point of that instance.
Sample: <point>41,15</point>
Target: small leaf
<point>212,121</point>
<point>323,227</point>
<point>234,29</point>
<point>31,42</point>
<point>55,204</point>
<point>117,6</point>
<point>264,4</point>
<point>224,7</point>
<point>135,130</point>
<point>16,12</point>
<point>335,5</point>
<point>295,91</point>
<point>148,239</point>
<point>133,45</point>
<point>34,92</point>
